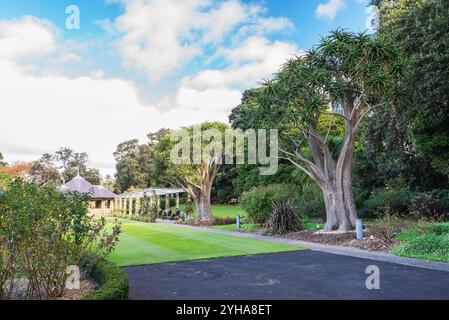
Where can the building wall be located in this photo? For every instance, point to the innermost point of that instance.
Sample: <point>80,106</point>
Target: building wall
<point>103,210</point>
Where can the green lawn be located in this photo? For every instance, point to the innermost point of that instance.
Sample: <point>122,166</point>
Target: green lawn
<point>250,227</point>
<point>220,210</point>
<point>245,227</point>
<point>148,243</point>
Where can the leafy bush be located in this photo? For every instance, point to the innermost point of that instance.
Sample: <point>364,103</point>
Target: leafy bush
<point>5,180</point>
<point>42,232</point>
<point>395,199</point>
<point>427,207</point>
<point>310,202</point>
<point>388,226</point>
<point>220,221</point>
<point>258,201</point>
<point>113,281</point>
<point>284,218</point>
<point>440,194</point>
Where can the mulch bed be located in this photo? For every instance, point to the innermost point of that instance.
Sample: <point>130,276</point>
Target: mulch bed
<point>370,242</point>
<point>87,286</point>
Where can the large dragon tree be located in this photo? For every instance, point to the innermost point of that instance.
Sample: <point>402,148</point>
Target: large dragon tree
<point>344,77</point>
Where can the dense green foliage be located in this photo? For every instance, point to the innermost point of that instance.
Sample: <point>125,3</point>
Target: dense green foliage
<point>309,202</point>
<point>113,282</point>
<point>4,180</point>
<point>2,162</point>
<point>46,170</point>
<point>428,241</point>
<point>42,232</point>
<point>258,201</point>
<point>137,165</point>
<point>421,29</point>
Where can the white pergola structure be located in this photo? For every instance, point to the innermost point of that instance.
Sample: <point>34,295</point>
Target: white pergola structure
<point>131,202</point>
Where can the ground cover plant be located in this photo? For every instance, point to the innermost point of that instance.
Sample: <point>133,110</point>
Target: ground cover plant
<point>429,241</point>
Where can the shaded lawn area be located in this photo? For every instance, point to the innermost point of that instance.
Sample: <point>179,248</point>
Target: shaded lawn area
<point>148,243</point>
<point>219,210</point>
<point>251,227</point>
<point>245,227</point>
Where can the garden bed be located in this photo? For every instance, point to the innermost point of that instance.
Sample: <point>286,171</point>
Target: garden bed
<point>87,286</point>
<point>370,242</point>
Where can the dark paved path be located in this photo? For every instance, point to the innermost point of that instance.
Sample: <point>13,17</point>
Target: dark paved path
<point>292,275</point>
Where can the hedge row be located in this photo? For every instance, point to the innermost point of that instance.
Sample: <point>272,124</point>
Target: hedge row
<point>112,280</point>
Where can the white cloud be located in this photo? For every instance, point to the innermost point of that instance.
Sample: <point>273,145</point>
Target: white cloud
<point>330,9</point>
<point>94,113</point>
<point>257,58</point>
<point>69,57</point>
<point>160,36</point>
<point>220,99</point>
<point>87,114</point>
<point>27,37</point>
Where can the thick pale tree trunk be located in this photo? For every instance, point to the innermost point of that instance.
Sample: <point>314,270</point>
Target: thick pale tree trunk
<point>201,197</point>
<point>204,209</point>
<point>337,213</point>
<point>333,177</point>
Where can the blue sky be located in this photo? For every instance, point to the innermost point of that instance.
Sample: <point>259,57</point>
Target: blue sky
<point>137,65</point>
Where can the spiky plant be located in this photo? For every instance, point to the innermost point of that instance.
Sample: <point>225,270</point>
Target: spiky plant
<point>284,217</point>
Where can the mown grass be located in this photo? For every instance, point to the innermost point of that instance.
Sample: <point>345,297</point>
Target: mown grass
<point>148,243</point>
<point>251,227</point>
<point>425,241</point>
<point>245,227</point>
<point>220,210</point>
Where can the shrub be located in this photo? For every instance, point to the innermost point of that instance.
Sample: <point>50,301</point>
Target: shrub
<point>220,221</point>
<point>284,218</point>
<point>387,226</point>
<point>427,207</point>
<point>395,199</point>
<point>440,194</point>
<point>113,282</point>
<point>42,232</point>
<point>310,202</point>
<point>258,201</point>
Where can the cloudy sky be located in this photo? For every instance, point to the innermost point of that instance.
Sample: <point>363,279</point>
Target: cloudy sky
<point>135,66</point>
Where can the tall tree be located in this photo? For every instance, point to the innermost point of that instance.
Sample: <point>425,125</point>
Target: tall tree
<point>344,77</point>
<point>45,171</point>
<point>64,165</point>
<point>202,158</point>
<point>420,28</point>
<point>19,170</point>
<point>2,163</point>
<point>136,165</point>
<point>108,182</point>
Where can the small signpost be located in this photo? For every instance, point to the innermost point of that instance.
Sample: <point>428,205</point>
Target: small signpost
<point>238,222</point>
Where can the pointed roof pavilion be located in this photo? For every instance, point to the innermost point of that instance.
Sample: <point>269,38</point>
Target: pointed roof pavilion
<point>81,185</point>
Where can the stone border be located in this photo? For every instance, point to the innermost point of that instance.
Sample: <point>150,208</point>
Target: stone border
<point>340,250</point>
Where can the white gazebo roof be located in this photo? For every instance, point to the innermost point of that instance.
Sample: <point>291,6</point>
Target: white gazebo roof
<point>152,191</point>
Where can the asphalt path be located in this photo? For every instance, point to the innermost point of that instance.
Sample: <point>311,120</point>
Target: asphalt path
<point>289,276</point>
